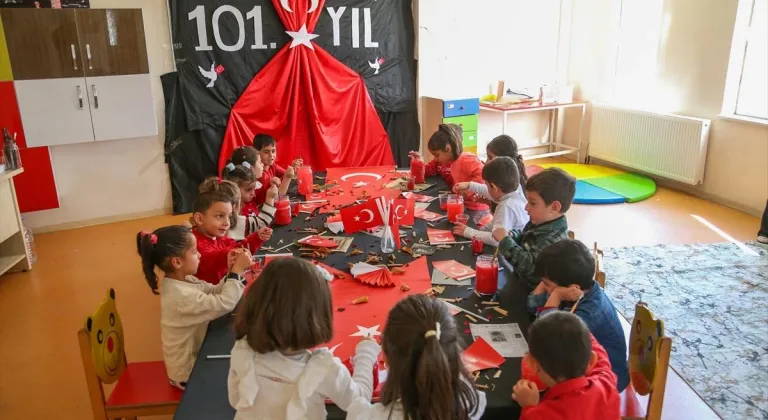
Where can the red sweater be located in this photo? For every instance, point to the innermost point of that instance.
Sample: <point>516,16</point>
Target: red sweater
<point>589,397</point>
<point>269,173</point>
<point>434,168</point>
<point>213,254</point>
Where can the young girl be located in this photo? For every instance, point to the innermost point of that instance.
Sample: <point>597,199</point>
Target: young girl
<point>505,145</point>
<point>187,304</point>
<point>445,146</point>
<point>273,373</point>
<point>426,378</point>
<point>246,178</point>
<point>212,219</point>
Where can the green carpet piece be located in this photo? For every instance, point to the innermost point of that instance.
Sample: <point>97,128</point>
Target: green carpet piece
<point>633,187</point>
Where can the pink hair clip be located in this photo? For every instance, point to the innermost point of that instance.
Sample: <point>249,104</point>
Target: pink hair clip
<point>153,239</point>
<point>218,179</point>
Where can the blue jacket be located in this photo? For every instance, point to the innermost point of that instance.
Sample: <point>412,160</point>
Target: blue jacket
<point>598,312</point>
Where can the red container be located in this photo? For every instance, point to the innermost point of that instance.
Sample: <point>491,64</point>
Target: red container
<point>477,245</point>
<point>417,170</point>
<point>455,207</point>
<point>486,275</point>
<point>305,180</point>
<point>411,183</point>
<point>443,201</point>
<point>283,211</point>
<point>295,207</point>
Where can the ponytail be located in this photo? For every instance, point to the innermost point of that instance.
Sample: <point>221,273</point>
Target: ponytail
<point>156,248</point>
<point>447,134</point>
<point>505,145</point>
<point>433,381</point>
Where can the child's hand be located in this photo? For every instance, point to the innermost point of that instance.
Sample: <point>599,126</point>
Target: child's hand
<point>461,187</point>
<point>526,393</point>
<point>290,172</point>
<point>265,233</point>
<point>242,260</point>
<point>297,163</point>
<point>500,233</point>
<point>415,155</point>
<point>275,181</point>
<point>272,193</point>
<point>459,229</point>
<point>541,288</point>
<point>571,293</point>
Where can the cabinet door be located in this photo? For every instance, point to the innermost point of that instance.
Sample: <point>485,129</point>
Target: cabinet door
<point>54,111</point>
<point>122,107</point>
<point>112,41</point>
<point>42,43</point>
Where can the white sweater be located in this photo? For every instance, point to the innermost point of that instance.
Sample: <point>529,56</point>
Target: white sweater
<point>274,386</point>
<point>186,307</point>
<point>362,409</point>
<point>510,213</point>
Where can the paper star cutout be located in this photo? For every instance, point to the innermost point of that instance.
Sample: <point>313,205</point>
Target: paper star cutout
<point>366,332</point>
<point>302,37</point>
<point>360,184</point>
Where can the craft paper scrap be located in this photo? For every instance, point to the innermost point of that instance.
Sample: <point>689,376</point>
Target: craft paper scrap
<point>481,355</point>
<point>440,278</point>
<point>454,269</point>
<point>507,339</point>
<point>437,236</point>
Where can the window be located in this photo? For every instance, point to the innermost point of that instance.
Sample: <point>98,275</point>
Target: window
<point>746,88</point>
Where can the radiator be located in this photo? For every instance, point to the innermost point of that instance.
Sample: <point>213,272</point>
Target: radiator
<point>670,146</point>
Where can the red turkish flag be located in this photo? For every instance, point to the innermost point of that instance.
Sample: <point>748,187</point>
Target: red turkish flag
<point>363,216</point>
<point>403,211</point>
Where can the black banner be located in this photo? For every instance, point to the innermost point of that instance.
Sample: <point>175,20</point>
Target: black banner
<point>221,45</point>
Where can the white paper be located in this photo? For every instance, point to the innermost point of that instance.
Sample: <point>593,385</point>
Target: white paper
<point>507,339</point>
<point>421,206</point>
<point>438,277</point>
<point>335,227</point>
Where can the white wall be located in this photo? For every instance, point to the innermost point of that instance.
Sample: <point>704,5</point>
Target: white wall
<point>104,180</point>
<point>690,80</point>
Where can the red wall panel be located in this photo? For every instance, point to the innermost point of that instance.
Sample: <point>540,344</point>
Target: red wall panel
<point>36,187</point>
<point>10,117</point>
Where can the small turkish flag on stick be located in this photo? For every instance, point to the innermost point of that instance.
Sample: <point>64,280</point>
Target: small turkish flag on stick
<point>363,216</point>
<point>403,211</point>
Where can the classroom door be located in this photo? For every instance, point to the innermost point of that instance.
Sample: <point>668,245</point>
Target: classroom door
<point>112,41</point>
<point>42,43</point>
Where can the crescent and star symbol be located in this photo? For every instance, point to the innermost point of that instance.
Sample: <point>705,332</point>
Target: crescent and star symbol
<point>370,216</point>
<point>374,176</point>
<point>302,37</point>
<point>397,209</point>
<point>312,6</point>
<point>459,273</point>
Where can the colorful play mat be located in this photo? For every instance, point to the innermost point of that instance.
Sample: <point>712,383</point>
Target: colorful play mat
<point>597,184</point>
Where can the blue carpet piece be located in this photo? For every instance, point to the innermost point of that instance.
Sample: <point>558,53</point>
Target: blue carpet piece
<point>590,194</point>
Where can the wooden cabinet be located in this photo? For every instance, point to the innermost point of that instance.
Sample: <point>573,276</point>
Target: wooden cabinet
<point>121,107</point>
<point>42,43</point>
<point>54,111</point>
<point>80,75</point>
<point>112,41</point>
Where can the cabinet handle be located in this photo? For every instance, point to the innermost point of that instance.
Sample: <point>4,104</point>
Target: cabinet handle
<point>80,96</point>
<point>88,53</point>
<point>74,57</point>
<point>95,96</point>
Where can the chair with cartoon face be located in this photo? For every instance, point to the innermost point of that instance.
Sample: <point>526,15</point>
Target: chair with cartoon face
<point>649,352</point>
<point>142,388</point>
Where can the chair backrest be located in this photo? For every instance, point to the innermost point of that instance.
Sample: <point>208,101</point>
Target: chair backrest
<point>101,349</point>
<point>597,253</point>
<point>571,235</point>
<point>649,351</point>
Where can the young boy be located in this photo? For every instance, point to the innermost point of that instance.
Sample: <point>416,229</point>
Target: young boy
<point>574,366</point>
<point>550,193</point>
<point>273,174</point>
<point>502,186</point>
<point>567,269</point>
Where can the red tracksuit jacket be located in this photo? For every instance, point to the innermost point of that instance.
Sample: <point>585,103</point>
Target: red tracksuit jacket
<point>213,254</point>
<point>590,397</point>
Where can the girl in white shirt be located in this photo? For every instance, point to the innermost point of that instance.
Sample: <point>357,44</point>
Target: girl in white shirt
<point>275,372</point>
<point>426,378</point>
<point>187,304</point>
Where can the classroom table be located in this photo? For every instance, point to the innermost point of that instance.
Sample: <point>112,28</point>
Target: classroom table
<point>206,395</point>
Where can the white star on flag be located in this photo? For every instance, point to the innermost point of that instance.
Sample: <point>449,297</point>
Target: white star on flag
<point>357,218</point>
<point>360,184</point>
<point>302,37</point>
<point>366,331</point>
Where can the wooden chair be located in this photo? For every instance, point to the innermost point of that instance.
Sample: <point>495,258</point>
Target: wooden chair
<point>649,352</point>
<point>597,253</point>
<point>571,235</point>
<point>142,388</point>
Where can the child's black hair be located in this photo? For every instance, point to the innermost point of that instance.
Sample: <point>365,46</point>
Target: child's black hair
<point>239,174</point>
<point>565,263</point>
<point>503,173</point>
<point>244,154</point>
<point>288,290</point>
<point>447,134</point>
<point>553,184</point>
<point>426,374</point>
<point>560,342</point>
<point>505,145</point>
<point>158,247</point>
<point>261,141</point>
